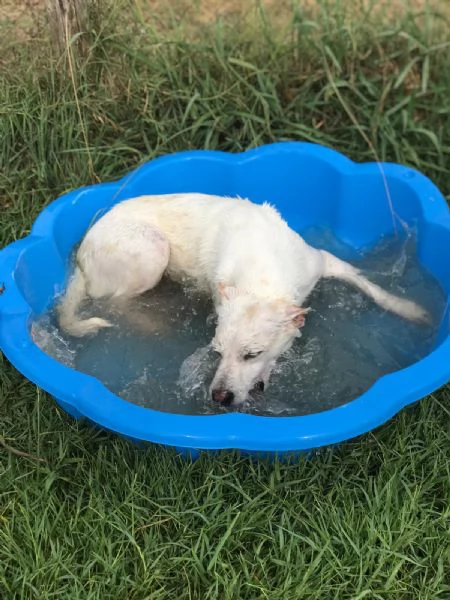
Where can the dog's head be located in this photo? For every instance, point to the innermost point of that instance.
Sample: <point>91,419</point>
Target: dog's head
<point>250,336</point>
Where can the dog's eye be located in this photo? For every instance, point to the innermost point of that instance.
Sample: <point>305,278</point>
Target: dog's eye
<point>252,355</point>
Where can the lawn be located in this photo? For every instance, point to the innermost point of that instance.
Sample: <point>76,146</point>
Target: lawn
<point>86,515</point>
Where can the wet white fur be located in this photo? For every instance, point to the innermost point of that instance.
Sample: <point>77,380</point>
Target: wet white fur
<point>258,271</point>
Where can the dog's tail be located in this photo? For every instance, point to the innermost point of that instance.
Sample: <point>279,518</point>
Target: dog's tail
<point>67,309</point>
<point>339,269</point>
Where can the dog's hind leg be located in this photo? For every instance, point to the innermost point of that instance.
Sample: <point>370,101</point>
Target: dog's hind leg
<point>115,261</point>
<point>339,269</point>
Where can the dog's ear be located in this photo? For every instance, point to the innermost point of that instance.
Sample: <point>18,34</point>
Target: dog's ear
<point>226,292</point>
<point>296,315</point>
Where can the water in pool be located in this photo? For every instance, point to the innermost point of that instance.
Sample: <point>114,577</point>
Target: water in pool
<point>158,356</point>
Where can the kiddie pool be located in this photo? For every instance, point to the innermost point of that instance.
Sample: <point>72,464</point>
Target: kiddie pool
<point>310,185</point>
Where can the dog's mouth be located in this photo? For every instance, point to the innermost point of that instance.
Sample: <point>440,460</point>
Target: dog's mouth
<point>257,391</point>
<point>258,387</point>
<point>226,398</point>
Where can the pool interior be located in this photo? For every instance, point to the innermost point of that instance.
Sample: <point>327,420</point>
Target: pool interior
<point>163,361</point>
<point>158,355</point>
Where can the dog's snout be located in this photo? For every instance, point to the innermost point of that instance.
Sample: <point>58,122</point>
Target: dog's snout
<point>259,386</point>
<point>224,397</point>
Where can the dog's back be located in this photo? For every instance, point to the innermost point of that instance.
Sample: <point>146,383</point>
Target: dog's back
<point>215,239</point>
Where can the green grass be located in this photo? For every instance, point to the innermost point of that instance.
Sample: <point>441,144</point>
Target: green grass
<point>98,518</point>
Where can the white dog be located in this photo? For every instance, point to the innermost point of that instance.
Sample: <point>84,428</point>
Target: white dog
<point>258,271</point>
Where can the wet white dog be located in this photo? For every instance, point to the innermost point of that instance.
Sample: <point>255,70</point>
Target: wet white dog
<point>258,271</point>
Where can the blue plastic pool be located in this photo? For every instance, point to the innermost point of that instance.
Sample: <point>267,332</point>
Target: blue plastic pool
<point>310,185</point>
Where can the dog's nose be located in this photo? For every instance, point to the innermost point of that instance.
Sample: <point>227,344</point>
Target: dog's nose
<point>224,397</point>
<point>259,386</point>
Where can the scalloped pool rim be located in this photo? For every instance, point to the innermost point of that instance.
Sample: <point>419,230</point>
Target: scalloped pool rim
<point>84,396</point>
